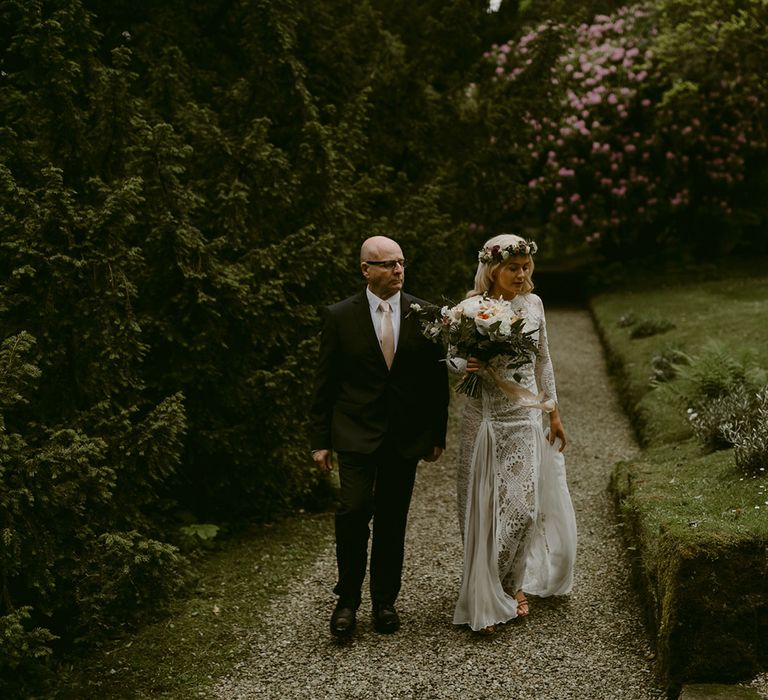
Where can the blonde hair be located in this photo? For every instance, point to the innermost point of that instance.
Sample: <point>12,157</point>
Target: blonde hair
<point>486,272</point>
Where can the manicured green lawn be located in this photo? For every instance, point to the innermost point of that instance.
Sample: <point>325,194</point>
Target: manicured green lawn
<point>682,482</point>
<point>697,525</point>
<point>728,304</point>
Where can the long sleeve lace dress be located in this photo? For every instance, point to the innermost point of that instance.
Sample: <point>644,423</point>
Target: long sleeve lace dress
<point>515,511</point>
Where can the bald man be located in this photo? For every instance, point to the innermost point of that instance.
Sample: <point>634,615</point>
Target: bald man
<point>381,402</point>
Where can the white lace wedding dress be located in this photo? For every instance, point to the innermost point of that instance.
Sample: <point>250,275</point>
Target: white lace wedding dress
<point>515,511</point>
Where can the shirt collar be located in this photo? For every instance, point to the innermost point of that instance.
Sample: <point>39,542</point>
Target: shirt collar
<point>374,301</point>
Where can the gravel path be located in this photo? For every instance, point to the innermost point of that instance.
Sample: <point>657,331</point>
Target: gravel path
<point>590,645</point>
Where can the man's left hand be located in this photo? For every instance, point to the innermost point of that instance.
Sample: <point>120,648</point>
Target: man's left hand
<point>434,455</point>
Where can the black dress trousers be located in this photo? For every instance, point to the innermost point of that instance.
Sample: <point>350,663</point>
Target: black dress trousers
<point>374,486</point>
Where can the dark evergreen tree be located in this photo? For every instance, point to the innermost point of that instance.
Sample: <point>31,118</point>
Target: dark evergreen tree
<point>184,185</point>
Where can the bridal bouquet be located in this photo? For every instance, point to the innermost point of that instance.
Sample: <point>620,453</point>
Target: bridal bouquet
<point>481,327</point>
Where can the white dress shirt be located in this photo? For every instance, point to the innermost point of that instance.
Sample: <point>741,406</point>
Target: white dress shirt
<point>373,305</point>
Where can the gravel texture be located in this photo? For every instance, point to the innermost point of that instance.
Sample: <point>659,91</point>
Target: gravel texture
<point>590,644</point>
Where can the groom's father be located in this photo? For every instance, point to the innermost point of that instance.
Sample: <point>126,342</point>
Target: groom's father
<point>381,401</point>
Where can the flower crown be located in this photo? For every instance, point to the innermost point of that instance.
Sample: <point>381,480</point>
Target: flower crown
<point>497,254</point>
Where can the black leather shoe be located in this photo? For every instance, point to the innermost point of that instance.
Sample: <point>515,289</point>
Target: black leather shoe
<point>343,620</point>
<point>385,619</point>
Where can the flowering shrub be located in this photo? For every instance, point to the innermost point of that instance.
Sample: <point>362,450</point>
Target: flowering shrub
<point>644,148</point>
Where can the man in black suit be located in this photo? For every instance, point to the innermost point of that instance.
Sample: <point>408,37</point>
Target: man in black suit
<point>381,401</point>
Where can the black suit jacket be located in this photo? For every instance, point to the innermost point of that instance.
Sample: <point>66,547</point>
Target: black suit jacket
<point>358,401</point>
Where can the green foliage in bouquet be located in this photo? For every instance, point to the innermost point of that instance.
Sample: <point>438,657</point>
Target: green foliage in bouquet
<point>482,328</point>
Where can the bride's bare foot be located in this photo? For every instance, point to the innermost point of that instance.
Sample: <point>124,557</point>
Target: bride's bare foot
<point>522,604</point>
<point>487,631</point>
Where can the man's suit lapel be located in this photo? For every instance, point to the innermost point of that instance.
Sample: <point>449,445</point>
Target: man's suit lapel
<point>406,326</point>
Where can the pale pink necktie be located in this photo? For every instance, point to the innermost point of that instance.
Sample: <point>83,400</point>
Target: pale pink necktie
<point>387,333</point>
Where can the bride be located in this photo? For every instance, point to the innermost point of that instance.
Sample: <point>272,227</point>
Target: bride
<point>515,512</point>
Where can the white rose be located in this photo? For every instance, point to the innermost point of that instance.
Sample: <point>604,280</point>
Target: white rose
<point>485,319</point>
<point>470,307</point>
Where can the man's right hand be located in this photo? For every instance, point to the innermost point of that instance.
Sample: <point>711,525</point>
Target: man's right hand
<point>323,459</point>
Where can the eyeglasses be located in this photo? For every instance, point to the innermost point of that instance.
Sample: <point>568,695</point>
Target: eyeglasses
<point>386,264</point>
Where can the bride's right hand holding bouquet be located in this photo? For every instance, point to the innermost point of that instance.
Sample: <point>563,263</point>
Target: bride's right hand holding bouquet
<point>482,327</point>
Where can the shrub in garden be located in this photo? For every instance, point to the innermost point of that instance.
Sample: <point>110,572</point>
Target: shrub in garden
<point>715,372</point>
<point>664,365</point>
<point>650,141</point>
<point>713,420</point>
<point>650,327</point>
<point>184,185</point>
<point>719,391</point>
<point>134,573</point>
<point>503,109</point>
<point>748,433</point>
<point>627,320</point>
<point>643,327</point>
